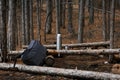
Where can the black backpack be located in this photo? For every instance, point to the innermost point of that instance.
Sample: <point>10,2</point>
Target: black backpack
<point>34,54</point>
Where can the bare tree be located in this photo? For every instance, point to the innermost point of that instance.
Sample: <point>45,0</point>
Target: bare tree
<point>81,21</point>
<point>11,25</point>
<point>104,20</point>
<point>15,27</point>
<point>38,18</point>
<point>27,25</point>
<point>23,22</point>
<point>70,24</point>
<point>49,16</point>
<point>91,11</point>
<point>31,20</point>
<point>57,16</point>
<point>108,19</point>
<point>63,12</point>
<point>112,22</point>
<point>3,32</point>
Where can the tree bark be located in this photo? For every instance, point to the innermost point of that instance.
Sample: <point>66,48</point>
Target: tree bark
<point>85,52</point>
<point>38,18</point>
<point>3,30</point>
<point>15,27</point>
<point>11,25</point>
<point>95,44</point>
<point>57,17</point>
<point>63,12</point>
<point>81,21</point>
<point>70,12</point>
<point>23,22</point>
<point>91,11</point>
<point>73,73</point>
<point>31,20</point>
<point>27,24</point>
<point>104,20</point>
<point>108,20</point>
<point>112,22</point>
<point>49,16</point>
<point>76,52</point>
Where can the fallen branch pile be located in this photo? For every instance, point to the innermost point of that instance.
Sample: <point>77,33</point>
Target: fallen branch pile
<point>62,72</point>
<point>95,44</point>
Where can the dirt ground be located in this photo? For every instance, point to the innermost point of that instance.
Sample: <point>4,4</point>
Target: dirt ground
<point>92,33</point>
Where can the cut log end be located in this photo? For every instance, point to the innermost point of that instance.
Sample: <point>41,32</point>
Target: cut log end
<point>116,69</point>
<point>49,60</point>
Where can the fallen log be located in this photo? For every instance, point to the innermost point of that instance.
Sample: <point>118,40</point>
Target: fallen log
<point>61,72</point>
<point>107,43</point>
<point>76,52</point>
<point>87,51</point>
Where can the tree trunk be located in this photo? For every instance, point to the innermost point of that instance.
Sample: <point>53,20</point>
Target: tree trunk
<point>49,16</point>
<point>112,22</point>
<point>76,52</point>
<point>3,32</point>
<point>81,21</point>
<point>12,25</point>
<point>108,20</point>
<point>63,12</point>
<point>70,24</point>
<point>15,27</point>
<point>72,73</point>
<point>27,25</point>
<point>104,20</point>
<point>85,52</point>
<point>57,17</point>
<point>31,20</point>
<point>38,18</point>
<point>23,22</point>
<point>94,44</point>
<point>91,11</point>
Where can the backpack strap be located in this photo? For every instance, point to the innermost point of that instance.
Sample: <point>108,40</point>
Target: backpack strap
<point>31,44</point>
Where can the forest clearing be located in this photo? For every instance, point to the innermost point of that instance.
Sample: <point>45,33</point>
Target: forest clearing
<point>87,48</point>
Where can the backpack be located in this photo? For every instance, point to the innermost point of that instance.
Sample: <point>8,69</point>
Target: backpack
<point>34,54</point>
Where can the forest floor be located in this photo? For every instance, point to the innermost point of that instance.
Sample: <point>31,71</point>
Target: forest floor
<point>92,33</point>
